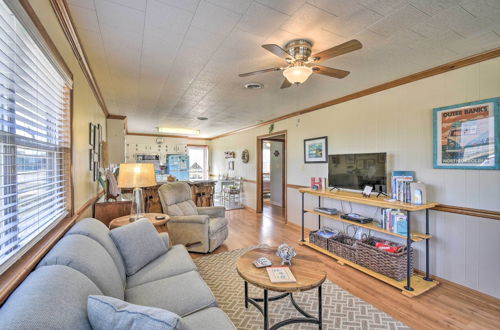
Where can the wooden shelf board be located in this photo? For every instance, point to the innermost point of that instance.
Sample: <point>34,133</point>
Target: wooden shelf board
<point>415,236</point>
<point>418,283</point>
<point>373,201</point>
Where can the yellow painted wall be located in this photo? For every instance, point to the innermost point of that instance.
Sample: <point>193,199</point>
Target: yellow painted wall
<point>399,121</point>
<point>85,108</point>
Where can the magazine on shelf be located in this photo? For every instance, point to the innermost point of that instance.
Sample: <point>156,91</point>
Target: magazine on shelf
<point>280,274</point>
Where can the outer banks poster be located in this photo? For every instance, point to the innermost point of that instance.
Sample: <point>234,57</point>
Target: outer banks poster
<point>466,135</point>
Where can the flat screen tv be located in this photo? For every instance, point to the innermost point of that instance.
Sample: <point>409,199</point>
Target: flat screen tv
<point>355,171</point>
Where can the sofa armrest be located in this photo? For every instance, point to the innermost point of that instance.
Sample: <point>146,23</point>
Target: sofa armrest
<point>212,211</point>
<point>166,239</point>
<point>201,219</point>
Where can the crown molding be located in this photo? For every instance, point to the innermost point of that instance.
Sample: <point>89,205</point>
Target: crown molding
<point>169,136</point>
<point>60,8</point>
<point>64,17</point>
<point>61,63</point>
<point>450,66</point>
<point>120,117</point>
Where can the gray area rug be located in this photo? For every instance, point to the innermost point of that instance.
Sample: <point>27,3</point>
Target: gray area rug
<point>341,310</point>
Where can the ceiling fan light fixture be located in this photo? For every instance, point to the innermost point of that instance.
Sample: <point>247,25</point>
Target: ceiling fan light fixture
<point>179,131</point>
<point>297,74</point>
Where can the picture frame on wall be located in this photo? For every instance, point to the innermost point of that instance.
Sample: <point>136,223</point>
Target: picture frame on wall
<point>316,150</point>
<point>99,133</point>
<point>91,134</point>
<point>96,171</point>
<point>467,135</point>
<point>91,160</point>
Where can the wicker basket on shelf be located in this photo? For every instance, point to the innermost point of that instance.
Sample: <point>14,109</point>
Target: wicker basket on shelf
<point>319,240</point>
<point>344,246</point>
<point>390,264</point>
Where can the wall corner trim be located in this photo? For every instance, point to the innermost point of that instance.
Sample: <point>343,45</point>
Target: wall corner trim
<point>61,10</point>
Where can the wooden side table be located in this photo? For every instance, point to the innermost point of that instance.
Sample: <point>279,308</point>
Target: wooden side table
<point>307,270</point>
<point>160,225</point>
<point>107,211</point>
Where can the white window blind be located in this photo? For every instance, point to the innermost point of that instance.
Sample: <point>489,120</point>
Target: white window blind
<point>35,141</point>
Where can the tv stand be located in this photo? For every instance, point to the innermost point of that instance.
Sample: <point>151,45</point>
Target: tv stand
<point>382,193</point>
<point>413,285</point>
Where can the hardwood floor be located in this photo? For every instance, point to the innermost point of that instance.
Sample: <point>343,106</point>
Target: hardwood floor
<point>273,211</point>
<point>447,306</point>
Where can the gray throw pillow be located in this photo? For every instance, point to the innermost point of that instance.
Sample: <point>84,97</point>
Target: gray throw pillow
<point>139,243</point>
<point>107,313</point>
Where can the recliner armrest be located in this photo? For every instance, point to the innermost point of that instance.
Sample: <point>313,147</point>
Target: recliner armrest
<point>212,211</point>
<point>201,219</point>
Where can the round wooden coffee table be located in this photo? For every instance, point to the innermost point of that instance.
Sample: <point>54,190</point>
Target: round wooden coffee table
<point>307,270</point>
<point>160,225</point>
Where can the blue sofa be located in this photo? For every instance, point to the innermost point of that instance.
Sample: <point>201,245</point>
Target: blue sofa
<point>86,262</point>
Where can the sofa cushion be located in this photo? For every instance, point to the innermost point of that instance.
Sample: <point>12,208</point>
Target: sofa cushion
<point>209,319</point>
<point>106,313</point>
<point>216,224</point>
<point>139,244</point>
<point>176,261</point>
<point>89,258</point>
<point>98,231</point>
<point>51,297</point>
<point>182,294</point>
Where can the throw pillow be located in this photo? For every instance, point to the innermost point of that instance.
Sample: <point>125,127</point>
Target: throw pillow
<point>139,243</point>
<point>107,313</point>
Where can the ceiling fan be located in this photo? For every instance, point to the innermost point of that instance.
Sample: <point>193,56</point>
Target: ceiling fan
<point>301,64</point>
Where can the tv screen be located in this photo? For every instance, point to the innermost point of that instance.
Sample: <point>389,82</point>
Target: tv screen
<point>355,171</point>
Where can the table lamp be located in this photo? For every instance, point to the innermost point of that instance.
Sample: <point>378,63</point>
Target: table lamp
<point>137,176</point>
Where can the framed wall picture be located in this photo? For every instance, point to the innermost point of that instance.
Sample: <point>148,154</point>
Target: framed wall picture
<point>91,160</point>
<point>316,150</point>
<point>467,135</point>
<point>91,134</point>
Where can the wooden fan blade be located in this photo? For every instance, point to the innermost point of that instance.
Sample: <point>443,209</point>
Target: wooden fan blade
<point>259,71</point>
<point>285,84</point>
<point>277,50</point>
<point>344,48</point>
<point>331,72</point>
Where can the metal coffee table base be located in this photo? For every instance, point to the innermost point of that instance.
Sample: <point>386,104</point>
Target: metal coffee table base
<point>308,318</point>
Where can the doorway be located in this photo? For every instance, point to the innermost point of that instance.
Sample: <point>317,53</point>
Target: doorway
<point>271,175</point>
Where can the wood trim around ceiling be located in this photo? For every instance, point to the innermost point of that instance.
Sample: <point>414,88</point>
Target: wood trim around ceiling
<point>169,136</point>
<point>61,10</point>
<point>450,66</point>
<point>120,117</point>
<point>41,29</point>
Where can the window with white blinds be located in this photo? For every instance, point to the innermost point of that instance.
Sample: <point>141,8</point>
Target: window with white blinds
<point>35,141</point>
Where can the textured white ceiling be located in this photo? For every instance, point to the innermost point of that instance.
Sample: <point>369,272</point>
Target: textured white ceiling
<point>165,62</point>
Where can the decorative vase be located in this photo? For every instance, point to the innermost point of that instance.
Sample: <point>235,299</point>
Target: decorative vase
<point>286,253</point>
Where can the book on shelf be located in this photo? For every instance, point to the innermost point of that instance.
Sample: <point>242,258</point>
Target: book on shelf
<point>394,221</point>
<point>400,185</point>
<point>280,274</point>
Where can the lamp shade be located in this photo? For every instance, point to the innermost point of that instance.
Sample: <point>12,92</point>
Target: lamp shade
<point>297,74</point>
<point>136,175</point>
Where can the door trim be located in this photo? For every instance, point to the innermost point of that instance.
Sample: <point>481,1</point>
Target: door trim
<point>260,140</point>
